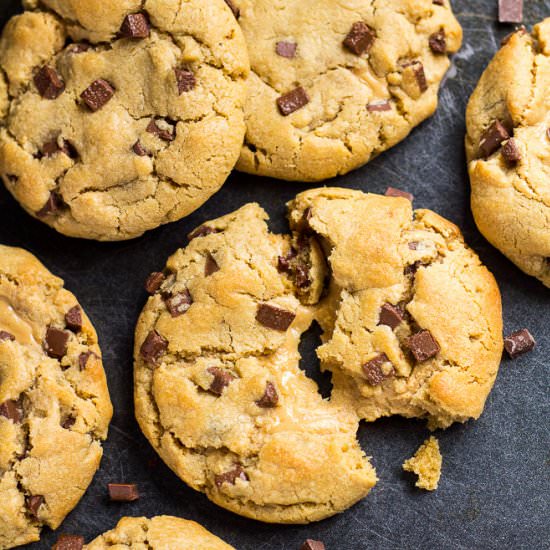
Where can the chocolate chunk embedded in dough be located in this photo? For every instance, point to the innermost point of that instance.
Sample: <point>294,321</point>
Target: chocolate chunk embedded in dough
<point>374,369</point>
<point>186,80</point>
<point>222,379</point>
<point>55,343</point>
<point>286,49</point>
<point>270,398</point>
<point>178,303</point>
<point>438,42</point>
<point>292,101</point>
<point>153,347</point>
<point>423,346</point>
<point>73,319</point>
<point>135,25</point>
<point>390,315</point>
<point>231,476</point>
<point>11,410</point>
<point>511,152</point>
<point>49,83</point>
<point>360,38</point>
<point>492,138</point>
<point>274,317</point>
<point>98,94</point>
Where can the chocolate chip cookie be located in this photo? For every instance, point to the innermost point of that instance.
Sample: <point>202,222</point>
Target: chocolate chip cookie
<point>334,84</point>
<point>508,149</point>
<point>120,116</point>
<point>54,403</point>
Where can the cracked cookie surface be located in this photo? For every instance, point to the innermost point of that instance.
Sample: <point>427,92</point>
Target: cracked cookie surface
<point>333,84</point>
<point>158,533</point>
<point>54,402</point>
<point>120,116</point>
<point>508,150</point>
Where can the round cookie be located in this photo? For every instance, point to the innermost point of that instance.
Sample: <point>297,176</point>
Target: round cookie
<point>54,402</point>
<point>218,388</point>
<point>158,533</point>
<point>334,84</point>
<point>508,150</point>
<point>122,115</point>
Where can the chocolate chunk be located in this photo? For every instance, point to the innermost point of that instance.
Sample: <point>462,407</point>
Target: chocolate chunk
<point>11,410</point>
<point>178,303</point>
<point>33,504</point>
<point>518,343</point>
<point>55,343</point>
<point>292,101</point>
<point>360,38</point>
<point>135,25</point>
<point>52,205</point>
<point>412,268</point>
<point>438,2</point>
<point>52,148</point>
<point>49,83</point>
<point>510,11</point>
<point>222,379</point>
<point>123,492</point>
<point>420,75</point>
<point>154,282</point>
<point>98,94</point>
<point>68,422</point>
<point>274,317</point>
<point>391,316</point>
<point>393,192</point>
<point>270,398</point>
<point>4,336</point>
<point>379,106</point>
<point>202,231</point>
<point>373,371</point>
<point>492,138</point>
<point>164,134</point>
<point>236,11</point>
<point>73,319</point>
<point>423,346</point>
<point>186,80</point>
<point>83,359</point>
<point>153,347</point>
<point>301,276</point>
<point>511,152</point>
<point>286,49</point>
<point>438,42</point>
<point>231,476</point>
<point>311,544</point>
<point>211,266</point>
<point>139,150</point>
<point>69,542</point>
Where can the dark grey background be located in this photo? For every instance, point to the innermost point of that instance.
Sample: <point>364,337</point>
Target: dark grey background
<point>495,488</point>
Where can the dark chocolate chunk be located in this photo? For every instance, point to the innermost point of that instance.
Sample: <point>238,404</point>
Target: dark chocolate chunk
<point>292,101</point>
<point>49,83</point>
<point>50,148</point>
<point>4,336</point>
<point>270,398</point>
<point>153,347</point>
<point>438,2</point>
<point>202,231</point>
<point>98,94</point>
<point>52,205</point>
<point>68,422</point>
<point>186,80</point>
<point>55,343</point>
<point>83,359</point>
<point>73,319</point>
<point>391,316</point>
<point>311,544</point>
<point>164,134</point>
<point>274,317</point>
<point>69,542</point>
<point>438,42</point>
<point>492,138</point>
<point>139,150</point>
<point>177,304</point>
<point>11,410</point>
<point>360,38</point>
<point>33,504</point>
<point>210,266</point>
<point>518,343</point>
<point>286,49</point>
<point>379,106</point>
<point>510,11</point>
<point>231,477</point>
<point>510,152</point>
<point>123,492</point>
<point>420,75</point>
<point>301,276</point>
<point>154,282</point>
<point>423,346</point>
<point>393,192</point>
<point>236,11</point>
<point>373,371</point>
<point>222,379</point>
<point>135,25</point>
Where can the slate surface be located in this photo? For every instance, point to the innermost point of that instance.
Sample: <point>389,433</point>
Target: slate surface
<point>495,488</point>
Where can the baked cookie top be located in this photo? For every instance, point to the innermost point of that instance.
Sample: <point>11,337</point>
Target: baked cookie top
<point>508,149</point>
<point>334,84</point>
<point>54,403</point>
<point>218,388</point>
<point>120,116</point>
<point>158,533</point>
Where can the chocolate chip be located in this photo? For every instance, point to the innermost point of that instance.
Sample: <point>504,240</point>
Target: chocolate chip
<point>73,319</point>
<point>492,138</point>
<point>69,542</point>
<point>390,315</point>
<point>511,152</point>
<point>177,304</point>
<point>11,410</point>
<point>154,282</point>
<point>202,231</point>
<point>98,94</point>
<point>231,477</point>
<point>52,205</point>
<point>292,101</point>
<point>4,336</point>
<point>373,371</point>
<point>438,42</point>
<point>83,359</point>
<point>164,134</point>
<point>139,150</point>
<point>270,398</point>
<point>49,83</point>
<point>153,347</point>
<point>33,504</point>
<point>393,192</point>
<point>274,317</point>
<point>379,106</point>
<point>510,11</point>
<point>135,25</point>
<point>286,49</point>
<point>186,80</point>
<point>518,343</point>
<point>55,343</point>
<point>222,379</point>
<point>423,346</point>
<point>123,492</point>
<point>236,11</point>
<point>311,544</point>
<point>438,2</point>
<point>420,75</point>
<point>210,266</point>
<point>68,422</point>
<point>360,38</point>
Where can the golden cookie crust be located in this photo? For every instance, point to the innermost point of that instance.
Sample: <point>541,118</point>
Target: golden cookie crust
<point>511,200</point>
<point>54,411</point>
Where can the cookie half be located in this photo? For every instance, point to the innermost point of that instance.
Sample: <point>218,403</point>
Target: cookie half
<point>120,116</point>
<point>54,402</point>
<point>334,84</point>
<point>508,149</point>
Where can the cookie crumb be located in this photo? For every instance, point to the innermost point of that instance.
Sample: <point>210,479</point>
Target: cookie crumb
<point>426,464</point>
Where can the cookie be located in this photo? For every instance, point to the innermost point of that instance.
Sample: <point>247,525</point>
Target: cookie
<point>122,115</point>
<point>426,464</point>
<point>334,84</point>
<point>54,403</point>
<point>413,320</point>
<point>508,150</point>
<point>218,388</point>
<point>157,533</point>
